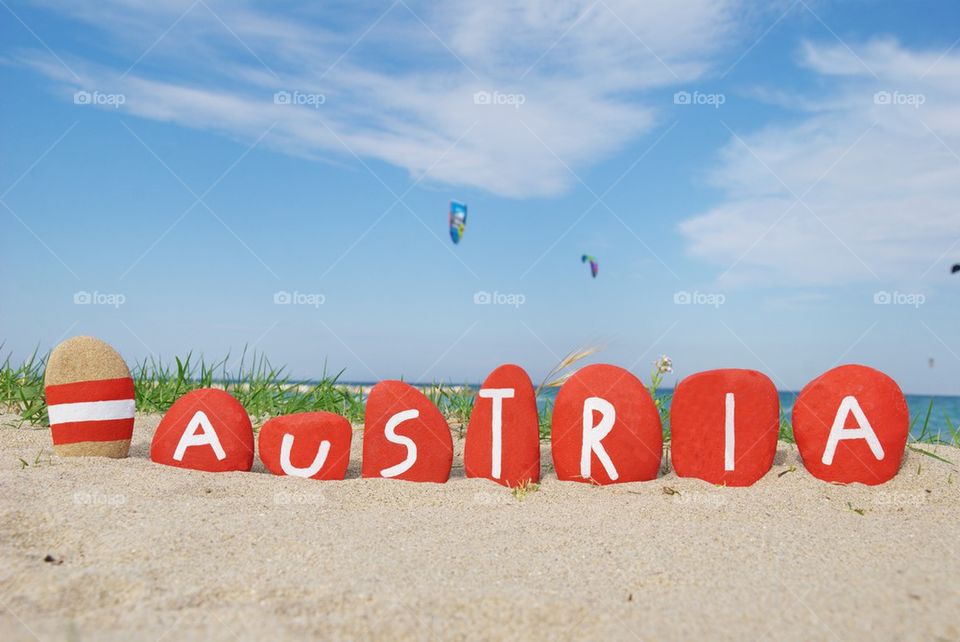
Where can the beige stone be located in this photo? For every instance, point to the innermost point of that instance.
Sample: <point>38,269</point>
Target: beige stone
<point>86,359</point>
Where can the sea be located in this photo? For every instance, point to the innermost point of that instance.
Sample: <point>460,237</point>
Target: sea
<point>944,411</point>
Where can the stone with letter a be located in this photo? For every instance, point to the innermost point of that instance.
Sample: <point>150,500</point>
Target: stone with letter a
<point>851,425</point>
<point>503,439</point>
<point>205,429</point>
<point>405,436</point>
<point>724,426</point>
<point>90,399</point>
<point>306,444</point>
<point>605,428</point>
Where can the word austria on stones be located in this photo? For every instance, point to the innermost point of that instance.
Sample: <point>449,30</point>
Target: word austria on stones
<point>850,425</point>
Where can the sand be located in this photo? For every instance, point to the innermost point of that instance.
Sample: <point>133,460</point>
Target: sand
<point>147,552</point>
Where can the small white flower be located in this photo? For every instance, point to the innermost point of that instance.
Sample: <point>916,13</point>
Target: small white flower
<point>664,364</point>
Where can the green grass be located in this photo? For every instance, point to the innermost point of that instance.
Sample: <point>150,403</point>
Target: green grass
<point>267,391</point>
<point>546,418</point>
<point>455,402</point>
<point>786,429</point>
<point>925,437</point>
<point>264,389</point>
<point>21,389</point>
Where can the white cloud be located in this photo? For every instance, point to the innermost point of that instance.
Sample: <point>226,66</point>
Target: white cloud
<point>878,175</point>
<point>403,92</point>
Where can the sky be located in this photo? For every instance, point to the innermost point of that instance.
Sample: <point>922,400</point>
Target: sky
<point>767,185</point>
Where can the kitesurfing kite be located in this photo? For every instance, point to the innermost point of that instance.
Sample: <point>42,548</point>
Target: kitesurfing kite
<point>594,266</point>
<point>955,268</point>
<point>458,220</point>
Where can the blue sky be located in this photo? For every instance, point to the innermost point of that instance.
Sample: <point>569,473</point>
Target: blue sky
<point>799,211</point>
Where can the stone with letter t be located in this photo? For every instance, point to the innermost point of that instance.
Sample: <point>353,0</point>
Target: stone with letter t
<point>503,438</point>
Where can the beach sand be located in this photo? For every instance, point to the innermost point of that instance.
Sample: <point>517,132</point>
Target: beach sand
<point>142,551</point>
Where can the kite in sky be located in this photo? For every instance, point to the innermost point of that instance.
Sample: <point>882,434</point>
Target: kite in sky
<point>594,266</point>
<point>458,220</point>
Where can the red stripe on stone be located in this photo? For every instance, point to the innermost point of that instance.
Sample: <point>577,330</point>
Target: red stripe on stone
<point>104,430</point>
<point>80,391</point>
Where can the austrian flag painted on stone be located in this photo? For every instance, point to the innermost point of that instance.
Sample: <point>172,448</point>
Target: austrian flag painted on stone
<point>90,399</point>
<point>91,411</point>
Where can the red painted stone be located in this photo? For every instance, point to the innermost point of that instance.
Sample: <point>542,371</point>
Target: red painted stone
<point>420,448</point>
<point>634,443</point>
<point>698,426</point>
<point>217,426</point>
<point>519,444</point>
<point>318,445</point>
<point>830,396</point>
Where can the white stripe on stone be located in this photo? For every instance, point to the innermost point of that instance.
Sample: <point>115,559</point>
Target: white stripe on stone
<point>91,411</point>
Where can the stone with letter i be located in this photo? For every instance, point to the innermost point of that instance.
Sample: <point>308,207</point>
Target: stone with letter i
<point>724,426</point>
